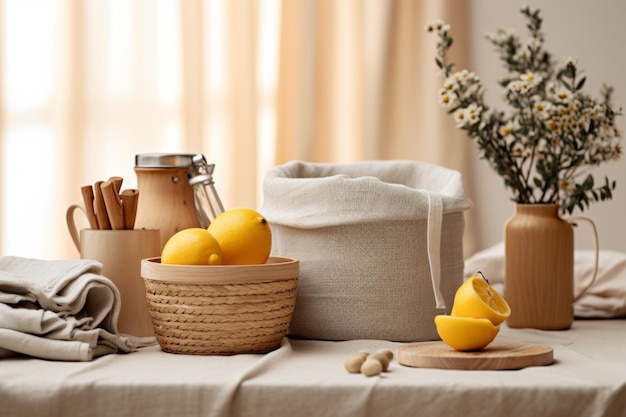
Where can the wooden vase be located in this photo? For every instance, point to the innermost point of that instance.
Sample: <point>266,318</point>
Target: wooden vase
<point>539,268</point>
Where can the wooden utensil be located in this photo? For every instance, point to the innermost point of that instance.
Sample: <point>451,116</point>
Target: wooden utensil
<point>117,183</point>
<point>100,207</point>
<point>87,193</point>
<point>130,198</point>
<point>113,205</point>
<point>503,355</point>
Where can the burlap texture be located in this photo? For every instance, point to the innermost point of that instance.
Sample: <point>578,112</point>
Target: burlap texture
<point>360,231</point>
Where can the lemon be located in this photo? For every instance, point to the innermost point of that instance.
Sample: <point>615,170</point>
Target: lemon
<point>476,298</point>
<point>193,246</point>
<point>244,236</point>
<point>465,333</point>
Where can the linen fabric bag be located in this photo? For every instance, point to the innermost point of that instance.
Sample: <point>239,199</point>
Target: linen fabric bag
<point>379,244</point>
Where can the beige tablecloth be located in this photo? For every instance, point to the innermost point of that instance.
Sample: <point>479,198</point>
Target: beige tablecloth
<point>306,378</point>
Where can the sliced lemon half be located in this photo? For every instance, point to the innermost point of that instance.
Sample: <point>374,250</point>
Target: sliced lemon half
<point>465,333</point>
<point>476,298</point>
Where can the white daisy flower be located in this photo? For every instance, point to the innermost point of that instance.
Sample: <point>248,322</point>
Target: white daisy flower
<point>458,76</point>
<point>446,99</point>
<point>472,113</point>
<point>505,130</point>
<point>450,84</point>
<point>519,87</point>
<point>542,107</point>
<point>563,96</point>
<point>437,25</point>
<point>460,117</point>
<point>518,149</point>
<point>566,185</point>
<point>527,152</point>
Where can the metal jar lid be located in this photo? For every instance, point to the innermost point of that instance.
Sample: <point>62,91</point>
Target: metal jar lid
<point>164,160</point>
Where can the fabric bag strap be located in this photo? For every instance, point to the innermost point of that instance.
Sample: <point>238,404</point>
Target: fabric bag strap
<point>435,219</point>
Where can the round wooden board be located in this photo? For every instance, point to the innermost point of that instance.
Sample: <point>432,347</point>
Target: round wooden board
<point>505,355</point>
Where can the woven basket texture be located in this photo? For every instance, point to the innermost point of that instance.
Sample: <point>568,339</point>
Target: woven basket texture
<point>224,319</point>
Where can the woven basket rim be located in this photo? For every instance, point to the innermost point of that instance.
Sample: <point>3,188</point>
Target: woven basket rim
<point>276,268</point>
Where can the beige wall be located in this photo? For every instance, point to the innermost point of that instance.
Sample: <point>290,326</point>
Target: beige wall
<point>593,32</point>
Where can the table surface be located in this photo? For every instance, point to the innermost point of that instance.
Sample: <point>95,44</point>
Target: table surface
<point>588,378</point>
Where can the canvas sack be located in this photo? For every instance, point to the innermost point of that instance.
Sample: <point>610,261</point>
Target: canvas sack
<point>379,243</point>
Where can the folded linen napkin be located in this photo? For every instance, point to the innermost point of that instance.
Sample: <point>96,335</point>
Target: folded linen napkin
<point>606,298</point>
<point>60,310</point>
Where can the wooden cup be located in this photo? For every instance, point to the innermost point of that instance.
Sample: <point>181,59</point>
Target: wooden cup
<point>121,252</point>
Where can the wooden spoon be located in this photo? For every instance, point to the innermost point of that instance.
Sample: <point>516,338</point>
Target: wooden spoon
<point>130,198</point>
<point>113,205</point>
<point>100,207</point>
<point>88,201</point>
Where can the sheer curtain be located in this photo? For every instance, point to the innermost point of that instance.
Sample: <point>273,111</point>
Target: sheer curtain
<point>87,85</point>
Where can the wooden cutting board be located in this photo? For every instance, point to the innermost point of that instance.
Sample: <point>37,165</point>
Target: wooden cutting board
<point>503,355</point>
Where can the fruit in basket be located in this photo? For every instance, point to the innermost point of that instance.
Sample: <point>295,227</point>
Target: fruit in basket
<point>193,246</point>
<point>244,236</point>
<point>465,333</point>
<point>476,298</point>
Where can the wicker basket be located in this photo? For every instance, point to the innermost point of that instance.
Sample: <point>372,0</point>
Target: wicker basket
<point>220,309</point>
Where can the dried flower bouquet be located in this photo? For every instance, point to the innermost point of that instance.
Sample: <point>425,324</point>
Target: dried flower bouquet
<point>554,131</point>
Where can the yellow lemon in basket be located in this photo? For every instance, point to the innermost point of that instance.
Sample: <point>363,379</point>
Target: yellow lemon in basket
<point>465,333</point>
<point>244,236</point>
<point>476,298</point>
<point>193,246</point>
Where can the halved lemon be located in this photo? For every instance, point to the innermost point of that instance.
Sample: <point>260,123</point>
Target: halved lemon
<point>465,333</point>
<point>476,298</point>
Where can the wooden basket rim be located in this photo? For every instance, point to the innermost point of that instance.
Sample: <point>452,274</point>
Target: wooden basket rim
<point>275,269</point>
